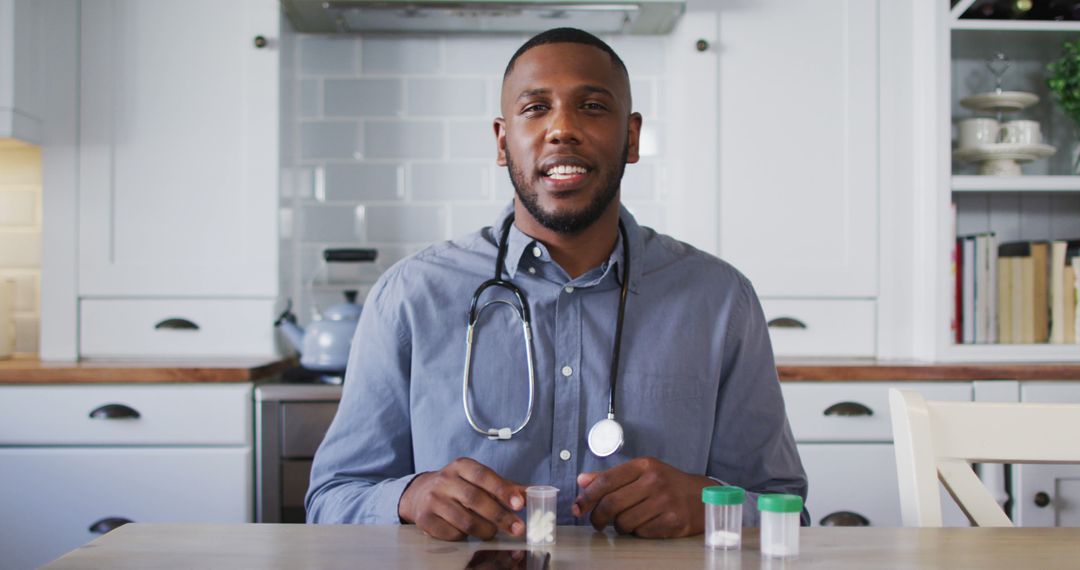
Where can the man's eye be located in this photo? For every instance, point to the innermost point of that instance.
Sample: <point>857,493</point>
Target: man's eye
<point>592,106</point>
<point>535,108</point>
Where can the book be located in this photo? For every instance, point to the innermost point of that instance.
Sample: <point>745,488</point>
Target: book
<point>1040,259</point>
<point>1004,300</point>
<point>1021,269</point>
<point>1057,292</point>
<point>958,291</point>
<point>991,288</point>
<point>1076,298</point>
<point>967,273</point>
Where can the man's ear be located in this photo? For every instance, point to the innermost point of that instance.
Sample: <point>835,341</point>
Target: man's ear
<point>500,140</point>
<point>633,136</point>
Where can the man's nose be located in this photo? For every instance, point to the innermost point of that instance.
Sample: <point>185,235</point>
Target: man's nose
<point>563,128</point>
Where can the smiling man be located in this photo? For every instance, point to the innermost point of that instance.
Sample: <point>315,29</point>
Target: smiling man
<point>581,317</point>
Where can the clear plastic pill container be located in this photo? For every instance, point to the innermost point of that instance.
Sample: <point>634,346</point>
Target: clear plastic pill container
<point>780,525</point>
<point>540,515</point>
<point>723,516</point>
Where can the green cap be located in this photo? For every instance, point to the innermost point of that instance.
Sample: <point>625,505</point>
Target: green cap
<point>726,495</point>
<point>780,503</point>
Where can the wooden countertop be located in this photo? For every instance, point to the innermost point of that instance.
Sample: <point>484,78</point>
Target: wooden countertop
<point>27,370</point>
<point>141,545</point>
<point>813,370</point>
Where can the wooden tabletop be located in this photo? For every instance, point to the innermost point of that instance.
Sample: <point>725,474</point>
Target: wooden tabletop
<point>30,370</point>
<point>362,546</point>
<point>869,370</point>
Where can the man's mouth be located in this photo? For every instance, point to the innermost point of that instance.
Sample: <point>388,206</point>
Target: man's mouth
<point>565,172</point>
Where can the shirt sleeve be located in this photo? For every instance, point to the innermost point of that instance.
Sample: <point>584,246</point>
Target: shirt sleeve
<point>752,444</point>
<point>365,462</point>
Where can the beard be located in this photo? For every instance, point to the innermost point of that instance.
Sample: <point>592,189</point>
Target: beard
<point>573,222</point>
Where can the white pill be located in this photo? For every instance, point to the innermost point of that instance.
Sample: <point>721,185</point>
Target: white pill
<point>723,538</point>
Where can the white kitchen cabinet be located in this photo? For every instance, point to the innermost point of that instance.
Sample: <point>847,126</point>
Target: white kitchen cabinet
<point>844,435</point>
<point>20,69</point>
<point>66,476</point>
<point>798,114</point>
<point>178,149</point>
<point>1047,495</point>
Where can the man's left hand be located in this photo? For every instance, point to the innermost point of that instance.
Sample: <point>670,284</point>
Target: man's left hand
<point>645,497</point>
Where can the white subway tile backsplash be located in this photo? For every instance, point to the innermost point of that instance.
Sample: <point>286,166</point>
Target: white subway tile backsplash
<point>325,139</point>
<point>333,223</point>
<point>447,97</point>
<point>310,98</point>
<point>403,139</point>
<point>473,139</point>
<point>18,206</point>
<point>362,97</point>
<point>468,218</point>
<point>504,187</point>
<point>400,55</point>
<point>480,55</point>
<point>414,224</point>
<point>643,55</point>
<point>20,249</point>
<point>328,55</point>
<point>360,182</point>
<point>455,181</point>
<point>649,213</point>
<point>641,92</point>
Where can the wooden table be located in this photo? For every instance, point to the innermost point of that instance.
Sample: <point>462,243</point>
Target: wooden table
<point>359,546</point>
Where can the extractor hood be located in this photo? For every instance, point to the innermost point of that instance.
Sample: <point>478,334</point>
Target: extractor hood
<point>492,16</point>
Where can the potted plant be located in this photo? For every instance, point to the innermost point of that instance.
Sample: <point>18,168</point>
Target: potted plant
<point>1064,82</point>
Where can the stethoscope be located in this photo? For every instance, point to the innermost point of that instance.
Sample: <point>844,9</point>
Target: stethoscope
<point>606,435</point>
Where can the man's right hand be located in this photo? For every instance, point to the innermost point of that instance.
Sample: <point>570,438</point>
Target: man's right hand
<point>465,498</point>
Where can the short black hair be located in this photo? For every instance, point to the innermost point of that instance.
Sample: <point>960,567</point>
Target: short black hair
<point>566,36</point>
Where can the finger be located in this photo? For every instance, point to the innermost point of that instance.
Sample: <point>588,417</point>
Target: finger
<point>437,527</point>
<point>606,482</point>
<point>666,524</point>
<point>609,508</point>
<point>585,479</point>
<point>465,520</point>
<point>630,520</point>
<point>510,494</point>
<point>486,506</point>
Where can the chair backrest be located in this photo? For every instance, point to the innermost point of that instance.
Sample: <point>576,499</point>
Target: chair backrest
<point>940,440</point>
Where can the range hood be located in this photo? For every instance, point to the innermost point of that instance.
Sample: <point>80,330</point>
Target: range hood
<point>492,16</point>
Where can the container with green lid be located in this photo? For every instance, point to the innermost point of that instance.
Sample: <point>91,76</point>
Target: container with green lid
<point>780,525</point>
<point>723,516</point>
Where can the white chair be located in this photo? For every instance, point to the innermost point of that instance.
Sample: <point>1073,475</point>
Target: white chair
<point>940,440</point>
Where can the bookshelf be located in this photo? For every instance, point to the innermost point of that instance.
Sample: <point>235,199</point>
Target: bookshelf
<point>1041,204</point>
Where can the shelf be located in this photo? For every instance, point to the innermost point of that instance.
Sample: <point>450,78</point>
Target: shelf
<point>1012,353</point>
<point>1015,25</point>
<point>974,183</point>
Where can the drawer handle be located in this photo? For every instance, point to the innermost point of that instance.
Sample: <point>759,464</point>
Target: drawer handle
<point>108,523</point>
<point>177,324</point>
<point>114,412</point>
<point>786,323</point>
<point>848,409</point>
<point>350,254</point>
<point>1042,499</point>
<point>845,518</point>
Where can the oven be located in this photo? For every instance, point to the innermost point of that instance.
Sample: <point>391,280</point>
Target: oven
<point>290,423</point>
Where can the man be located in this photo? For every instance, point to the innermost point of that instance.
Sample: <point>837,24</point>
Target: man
<point>696,389</point>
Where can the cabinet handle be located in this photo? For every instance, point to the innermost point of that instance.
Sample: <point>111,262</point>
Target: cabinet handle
<point>114,412</point>
<point>845,518</point>
<point>177,324</point>
<point>1042,499</point>
<point>350,254</point>
<point>848,409</point>
<point>260,42</point>
<point>786,323</point>
<point>108,523</point>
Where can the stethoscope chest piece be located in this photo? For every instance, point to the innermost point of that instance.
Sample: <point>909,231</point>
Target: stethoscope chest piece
<point>605,437</point>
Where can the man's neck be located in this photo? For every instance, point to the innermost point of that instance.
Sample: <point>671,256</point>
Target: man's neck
<point>576,253</point>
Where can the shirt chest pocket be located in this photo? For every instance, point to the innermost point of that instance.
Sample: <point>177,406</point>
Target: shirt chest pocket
<point>666,416</point>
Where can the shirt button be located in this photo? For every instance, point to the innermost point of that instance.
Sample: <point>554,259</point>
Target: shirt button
<point>532,270</point>
<point>568,289</point>
<point>564,455</point>
<point>567,371</point>
<point>537,252</point>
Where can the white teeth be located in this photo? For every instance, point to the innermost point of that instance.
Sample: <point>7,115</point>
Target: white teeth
<point>563,171</point>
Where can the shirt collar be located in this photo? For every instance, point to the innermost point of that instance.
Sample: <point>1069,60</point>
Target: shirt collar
<point>521,245</point>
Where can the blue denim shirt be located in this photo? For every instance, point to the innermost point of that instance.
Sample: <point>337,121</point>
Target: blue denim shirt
<point>697,387</point>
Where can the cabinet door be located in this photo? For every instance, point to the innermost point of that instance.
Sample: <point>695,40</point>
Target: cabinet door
<point>178,148</point>
<point>1047,495</point>
<point>798,145</point>
<point>52,497</point>
<point>849,481</point>
<point>20,68</point>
